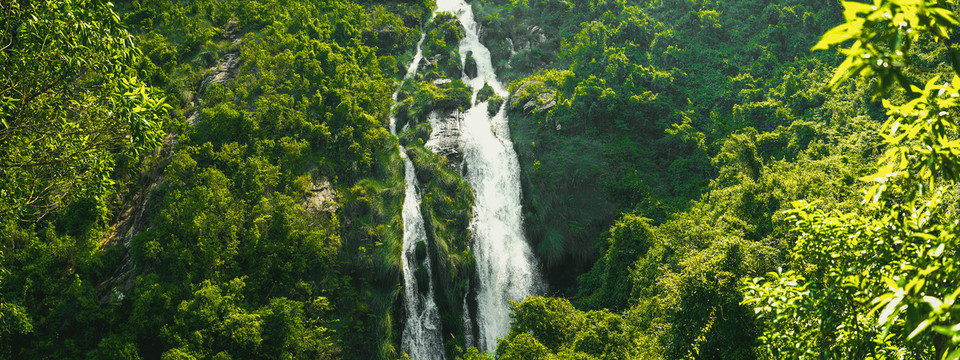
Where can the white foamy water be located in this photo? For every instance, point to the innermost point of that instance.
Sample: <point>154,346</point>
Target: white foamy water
<point>420,338</point>
<point>506,266</point>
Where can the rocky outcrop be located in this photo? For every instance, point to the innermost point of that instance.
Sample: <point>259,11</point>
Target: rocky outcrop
<point>133,216</point>
<point>445,138</point>
<point>494,104</point>
<point>321,198</point>
<point>534,37</point>
<point>485,93</point>
<point>222,73</point>
<point>470,65</point>
<point>533,97</point>
<point>543,103</point>
<point>424,67</point>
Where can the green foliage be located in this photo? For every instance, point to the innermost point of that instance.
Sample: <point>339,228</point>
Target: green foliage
<point>422,98</point>
<point>546,328</point>
<point>441,48</point>
<point>474,354</point>
<point>883,36</point>
<point>447,209</point>
<point>70,105</point>
<point>631,101</point>
<point>678,133</point>
<point>677,279</point>
<point>275,231</point>
<point>878,281</point>
<point>602,287</point>
<point>485,93</point>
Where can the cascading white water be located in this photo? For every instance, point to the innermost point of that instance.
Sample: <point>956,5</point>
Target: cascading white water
<point>420,338</point>
<point>421,334</point>
<point>506,266</point>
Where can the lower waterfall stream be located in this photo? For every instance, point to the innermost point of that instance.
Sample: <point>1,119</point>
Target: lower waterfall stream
<point>421,338</point>
<point>506,266</point>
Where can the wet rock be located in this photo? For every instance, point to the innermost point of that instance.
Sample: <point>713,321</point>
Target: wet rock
<point>420,251</point>
<point>424,67</point>
<point>423,277</point>
<point>470,66</point>
<point>485,93</point>
<point>524,100</point>
<point>445,138</point>
<point>493,106</point>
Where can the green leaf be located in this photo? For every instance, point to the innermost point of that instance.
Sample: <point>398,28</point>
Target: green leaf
<point>955,60</point>
<point>945,15</point>
<point>920,328</point>
<point>851,9</point>
<point>954,355</point>
<point>837,35</point>
<point>889,310</point>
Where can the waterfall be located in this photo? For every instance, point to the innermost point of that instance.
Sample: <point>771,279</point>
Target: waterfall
<point>506,266</point>
<point>420,338</point>
<point>421,333</point>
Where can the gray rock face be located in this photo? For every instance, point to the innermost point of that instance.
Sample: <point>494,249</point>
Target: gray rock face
<point>470,66</point>
<point>445,139</point>
<point>543,103</point>
<point>531,37</point>
<point>424,66</point>
<point>514,101</point>
<point>221,73</point>
<point>545,100</point>
<point>321,198</point>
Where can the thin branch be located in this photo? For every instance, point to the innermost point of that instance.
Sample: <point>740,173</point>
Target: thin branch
<point>6,28</point>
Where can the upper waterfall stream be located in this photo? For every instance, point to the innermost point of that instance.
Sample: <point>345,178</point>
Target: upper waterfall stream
<point>506,267</point>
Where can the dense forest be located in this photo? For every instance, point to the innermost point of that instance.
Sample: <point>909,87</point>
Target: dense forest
<point>744,179</point>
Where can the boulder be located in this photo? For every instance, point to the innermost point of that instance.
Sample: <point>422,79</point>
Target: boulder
<point>424,66</point>
<point>524,100</point>
<point>445,138</point>
<point>485,93</point>
<point>470,66</point>
<point>321,198</point>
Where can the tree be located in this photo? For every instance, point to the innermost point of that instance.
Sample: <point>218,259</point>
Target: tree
<point>68,103</point>
<point>881,282</point>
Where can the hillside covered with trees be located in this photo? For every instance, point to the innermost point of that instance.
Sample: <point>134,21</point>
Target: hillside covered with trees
<point>714,180</point>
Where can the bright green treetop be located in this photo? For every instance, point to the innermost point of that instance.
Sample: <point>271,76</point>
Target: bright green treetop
<point>881,282</point>
<point>67,103</point>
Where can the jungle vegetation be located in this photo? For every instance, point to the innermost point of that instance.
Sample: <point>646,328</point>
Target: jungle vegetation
<point>702,179</point>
